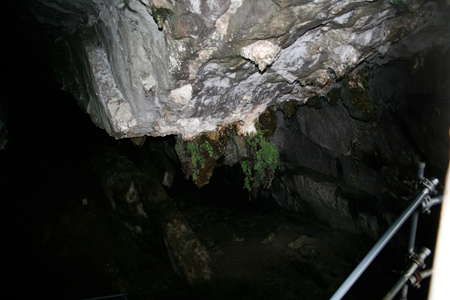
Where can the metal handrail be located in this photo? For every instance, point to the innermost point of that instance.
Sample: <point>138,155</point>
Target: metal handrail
<point>429,187</point>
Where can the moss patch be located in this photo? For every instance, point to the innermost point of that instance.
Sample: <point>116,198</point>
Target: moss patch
<point>160,15</point>
<point>259,158</point>
<point>263,161</point>
<point>198,158</point>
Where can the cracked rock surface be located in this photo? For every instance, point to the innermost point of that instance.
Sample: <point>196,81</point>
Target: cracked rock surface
<point>185,67</point>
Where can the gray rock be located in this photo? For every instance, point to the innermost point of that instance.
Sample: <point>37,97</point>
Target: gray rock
<point>360,177</point>
<point>160,67</point>
<point>137,197</point>
<point>309,196</point>
<point>344,170</point>
<point>325,127</point>
<point>299,151</point>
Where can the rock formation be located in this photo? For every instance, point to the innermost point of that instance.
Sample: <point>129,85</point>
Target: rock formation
<point>161,67</point>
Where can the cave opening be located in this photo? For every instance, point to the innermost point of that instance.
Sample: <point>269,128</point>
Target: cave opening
<point>348,163</point>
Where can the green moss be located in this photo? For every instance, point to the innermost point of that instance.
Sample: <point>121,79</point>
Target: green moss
<point>206,146</point>
<point>247,174</point>
<point>160,15</point>
<point>198,158</point>
<point>262,162</point>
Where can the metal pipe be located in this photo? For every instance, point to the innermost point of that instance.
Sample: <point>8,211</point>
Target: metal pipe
<point>404,295</point>
<point>433,201</point>
<point>418,261</point>
<point>367,260</point>
<point>413,230</point>
<point>412,233</point>
<point>411,246</point>
<point>426,273</point>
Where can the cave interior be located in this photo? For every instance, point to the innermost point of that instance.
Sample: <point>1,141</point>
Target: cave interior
<point>348,165</point>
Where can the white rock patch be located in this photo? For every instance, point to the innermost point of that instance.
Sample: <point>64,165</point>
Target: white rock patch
<point>262,53</point>
<point>122,115</point>
<point>181,95</point>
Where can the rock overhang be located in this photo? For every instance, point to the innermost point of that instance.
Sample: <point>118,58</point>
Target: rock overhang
<point>162,67</point>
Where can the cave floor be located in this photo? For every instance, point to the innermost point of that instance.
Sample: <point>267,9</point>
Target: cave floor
<point>79,249</point>
<point>256,253</point>
<point>271,254</point>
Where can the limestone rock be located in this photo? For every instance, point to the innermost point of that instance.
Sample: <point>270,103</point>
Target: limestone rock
<point>154,67</point>
<point>262,53</point>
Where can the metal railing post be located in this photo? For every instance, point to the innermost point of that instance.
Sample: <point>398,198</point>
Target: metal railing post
<point>411,247</point>
<point>372,254</point>
<point>418,261</point>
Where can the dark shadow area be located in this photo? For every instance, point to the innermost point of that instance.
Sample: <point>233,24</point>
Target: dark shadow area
<point>66,242</point>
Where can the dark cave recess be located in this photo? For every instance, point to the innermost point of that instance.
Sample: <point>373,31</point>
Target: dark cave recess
<point>68,252</point>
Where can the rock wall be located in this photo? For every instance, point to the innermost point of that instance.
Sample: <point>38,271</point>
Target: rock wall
<point>350,158</point>
<point>160,67</point>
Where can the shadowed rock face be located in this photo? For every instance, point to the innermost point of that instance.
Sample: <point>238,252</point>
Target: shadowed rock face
<point>160,67</point>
